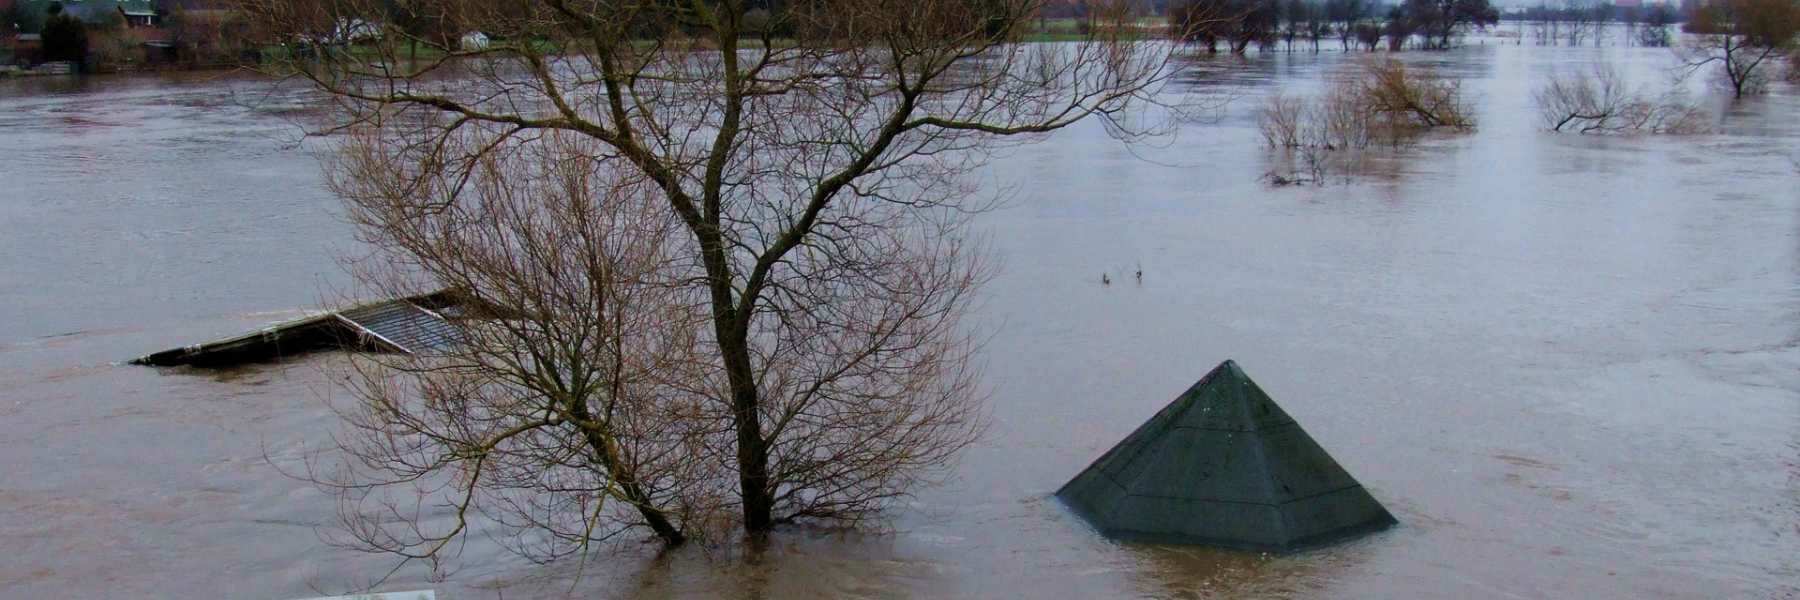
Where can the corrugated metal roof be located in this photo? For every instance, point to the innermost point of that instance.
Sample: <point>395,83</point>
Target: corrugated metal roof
<point>396,325</point>
<point>406,325</point>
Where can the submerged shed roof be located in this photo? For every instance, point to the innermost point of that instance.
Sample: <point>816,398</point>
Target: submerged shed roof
<point>1223,465</point>
<point>408,325</point>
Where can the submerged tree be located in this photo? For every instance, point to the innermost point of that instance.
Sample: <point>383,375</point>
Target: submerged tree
<point>760,310</point>
<point>1238,23</point>
<point>1743,37</point>
<point>1655,30</point>
<point>1381,102</point>
<point>1439,21</point>
<point>1349,17</point>
<point>1600,101</point>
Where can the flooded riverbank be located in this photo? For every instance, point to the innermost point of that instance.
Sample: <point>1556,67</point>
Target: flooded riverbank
<point>1568,365</point>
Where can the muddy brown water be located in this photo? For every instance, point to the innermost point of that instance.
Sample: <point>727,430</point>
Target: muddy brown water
<point>1567,364</point>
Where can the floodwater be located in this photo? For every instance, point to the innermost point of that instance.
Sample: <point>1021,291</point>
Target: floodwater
<point>1569,365</point>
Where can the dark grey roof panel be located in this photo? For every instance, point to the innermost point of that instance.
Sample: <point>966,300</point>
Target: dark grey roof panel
<point>394,325</point>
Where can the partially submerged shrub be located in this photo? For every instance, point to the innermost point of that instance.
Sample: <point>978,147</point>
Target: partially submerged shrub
<point>1385,102</point>
<point>1411,98</point>
<point>1600,101</point>
<point>1281,120</point>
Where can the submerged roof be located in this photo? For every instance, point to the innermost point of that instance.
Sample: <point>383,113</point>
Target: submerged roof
<point>406,325</point>
<point>1223,465</point>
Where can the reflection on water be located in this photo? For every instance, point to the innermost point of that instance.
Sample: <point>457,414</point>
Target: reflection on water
<point>1567,364</point>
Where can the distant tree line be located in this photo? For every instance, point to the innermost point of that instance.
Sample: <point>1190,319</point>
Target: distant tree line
<point>1579,23</point>
<point>439,25</point>
<point>1075,9</point>
<point>1277,24</point>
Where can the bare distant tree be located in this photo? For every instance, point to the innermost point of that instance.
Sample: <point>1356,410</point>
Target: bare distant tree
<point>1600,101</point>
<point>1578,23</point>
<point>1398,29</point>
<point>1544,24</point>
<point>1743,37</point>
<point>1350,16</point>
<point>1239,23</point>
<point>1633,17</point>
<point>1368,35</point>
<point>1438,22</point>
<point>1600,22</point>
<point>815,161</point>
<point>1655,31</point>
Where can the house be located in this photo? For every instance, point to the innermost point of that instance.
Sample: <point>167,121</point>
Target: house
<point>139,13</point>
<point>26,48</point>
<point>102,13</point>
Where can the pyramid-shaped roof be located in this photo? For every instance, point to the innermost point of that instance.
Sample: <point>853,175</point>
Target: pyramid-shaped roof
<point>1222,465</point>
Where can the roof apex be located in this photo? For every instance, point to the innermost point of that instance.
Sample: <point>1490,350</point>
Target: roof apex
<point>1223,465</point>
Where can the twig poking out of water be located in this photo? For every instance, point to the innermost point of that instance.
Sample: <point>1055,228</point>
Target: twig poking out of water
<point>1600,101</point>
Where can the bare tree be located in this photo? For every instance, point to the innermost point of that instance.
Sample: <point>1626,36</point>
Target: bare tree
<point>1581,24</point>
<point>1439,21</point>
<point>1410,99</point>
<point>564,411</point>
<point>1655,31</point>
<point>815,162</point>
<point>1544,24</point>
<point>1281,121</point>
<point>1600,101</point>
<point>1600,22</point>
<point>1398,29</point>
<point>1383,102</point>
<point>1239,23</point>
<point>1368,35</point>
<point>1632,16</point>
<point>1742,37</point>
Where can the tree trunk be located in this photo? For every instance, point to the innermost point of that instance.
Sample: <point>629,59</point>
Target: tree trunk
<point>731,326</point>
<point>753,464</point>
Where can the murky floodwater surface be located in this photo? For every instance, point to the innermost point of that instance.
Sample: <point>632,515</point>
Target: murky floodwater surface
<point>1569,365</point>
